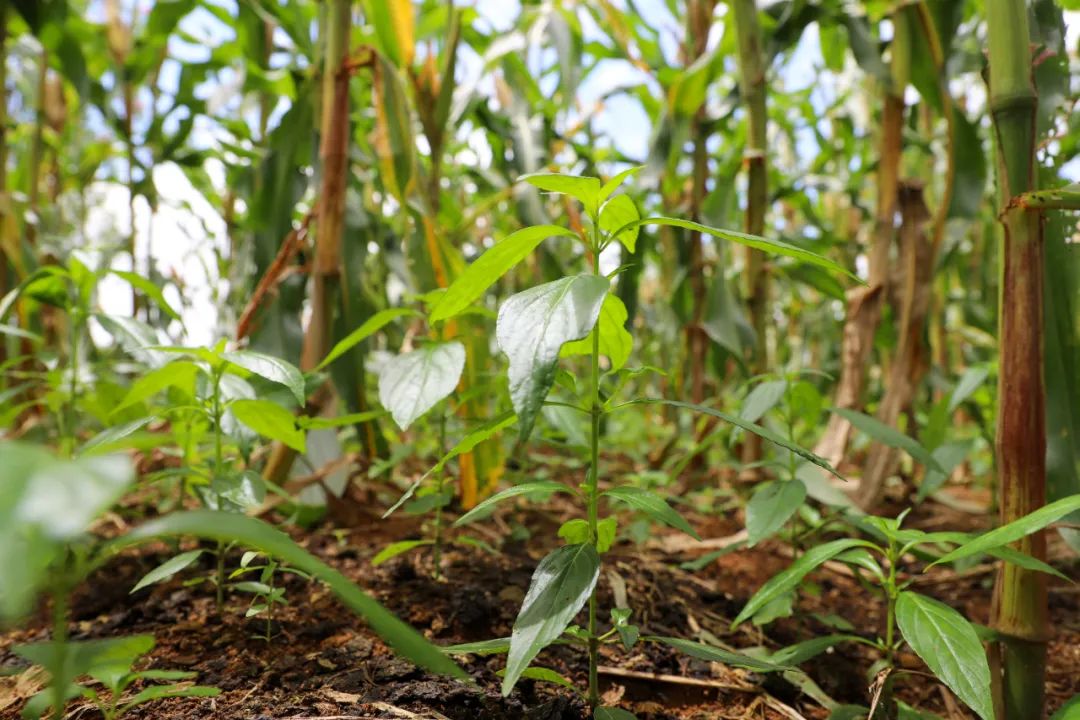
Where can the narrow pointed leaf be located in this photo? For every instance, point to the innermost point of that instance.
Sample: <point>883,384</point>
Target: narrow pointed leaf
<point>167,569</point>
<point>613,184</point>
<point>489,267</point>
<point>618,212</point>
<point>652,505</point>
<point>712,653</point>
<point>531,329</point>
<point>550,486</point>
<point>770,507</point>
<point>890,436</point>
<point>585,189</point>
<point>1015,530</point>
<point>369,327</point>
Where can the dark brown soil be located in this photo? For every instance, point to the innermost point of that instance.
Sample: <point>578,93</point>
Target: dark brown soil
<point>323,662</point>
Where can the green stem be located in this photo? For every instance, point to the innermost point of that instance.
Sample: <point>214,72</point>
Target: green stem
<point>593,485</point>
<point>437,559</point>
<point>219,579</point>
<point>886,706</point>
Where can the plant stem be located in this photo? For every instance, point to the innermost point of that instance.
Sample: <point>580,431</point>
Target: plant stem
<point>437,559</point>
<point>593,483</point>
<point>1019,609</point>
<point>219,580</point>
<point>886,705</point>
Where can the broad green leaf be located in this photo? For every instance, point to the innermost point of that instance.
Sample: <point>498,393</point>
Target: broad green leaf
<point>471,440</point>
<point>613,184</point>
<point>253,533</point>
<point>763,398</point>
<point>585,189</point>
<point>369,327</point>
<point>538,486</point>
<point>748,426</point>
<point>1006,534</point>
<point>770,507</point>
<point>890,436</point>
<point>560,586</point>
<point>575,531</point>
<point>149,289</point>
<point>270,368</point>
<point>605,712</point>
<point>544,675</point>
<point>239,491</point>
<point>771,247</point>
<point>606,531</point>
<point>618,212</point>
<point>136,338</point>
<point>946,642</point>
<point>531,329</point>
<point>179,374</point>
<point>788,579</point>
<point>489,267</point>
<point>411,384</point>
<point>106,660</point>
<point>712,653</point>
<point>615,340</point>
<point>270,420</point>
<point>483,647</point>
<point>167,569</point>
<point>652,505</point>
<point>399,548</point>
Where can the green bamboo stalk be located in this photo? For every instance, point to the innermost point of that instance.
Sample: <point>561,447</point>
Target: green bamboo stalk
<point>752,66</point>
<point>1020,597</point>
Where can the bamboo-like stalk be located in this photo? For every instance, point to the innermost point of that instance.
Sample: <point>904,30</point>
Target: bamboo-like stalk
<point>1019,609</point>
<point>865,303</point>
<point>752,68</point>
<point>333,152</point>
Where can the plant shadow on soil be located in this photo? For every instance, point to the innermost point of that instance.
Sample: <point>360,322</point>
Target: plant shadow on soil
<point>324,662</point>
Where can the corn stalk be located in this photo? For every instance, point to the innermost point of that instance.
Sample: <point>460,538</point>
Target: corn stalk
<point>1019,609</point>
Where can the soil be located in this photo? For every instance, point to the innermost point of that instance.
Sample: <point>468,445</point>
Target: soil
<point>323,662</point>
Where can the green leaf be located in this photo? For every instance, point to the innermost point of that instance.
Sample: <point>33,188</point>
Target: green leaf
<point>770,507</point>
<point>149,289</point>
<point>270,420</point>
<point>471,440</point>
<point>801,652</point>
<point>763,398</point>
<point>585,189</point>
<point>652,505</point>
<point>712,653</point>
<point>613,184</point>
<point>159,692</point>
<point>369,327</point>
<point>615,340</point>
<point>109,437</point>
<point>560,586</point>
<point>253,533</point>
<point>1006,534</point>
<point>270,368</point>
<point>484,647</point>
<point>1071,709</point>
<point>544,675</point>
<point>537,486</point>
<point>107,660</point>
<point>179,374</point>
<point>618,212</point>
<point>411,384</point>
<point>240,491</point>
<point>323,423</point>
<point>399,548</point>
<point>167,569</point>
<point>605,712</point>
<point>489,267</point>
<point>968,383</point>
<point>606,530</point>
<point>948,456</point>
<point>575,531</point>
<point>748,426</point>
<point>947,643</point>
<point>771,247</point>
<point>531,329</point>
<point>890,436</point>
<point>789,579</point>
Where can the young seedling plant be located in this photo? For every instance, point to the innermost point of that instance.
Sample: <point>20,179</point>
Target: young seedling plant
<point>580,315</point>
<point>946,641</point>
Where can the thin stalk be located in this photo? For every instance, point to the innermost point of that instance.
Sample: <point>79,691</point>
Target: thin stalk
<point>219,577</point>
<point>1019,609</point>
<point>437,560</point>
<point>60,640</point>
<point>891,592</point>
<point>593,481</point>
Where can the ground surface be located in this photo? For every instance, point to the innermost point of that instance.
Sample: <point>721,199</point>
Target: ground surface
<point>324,663</point>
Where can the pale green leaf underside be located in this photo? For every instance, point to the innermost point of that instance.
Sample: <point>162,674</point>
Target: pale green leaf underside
<point>411,384</point>
<point>531,329</point>
<point>270,368</point>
